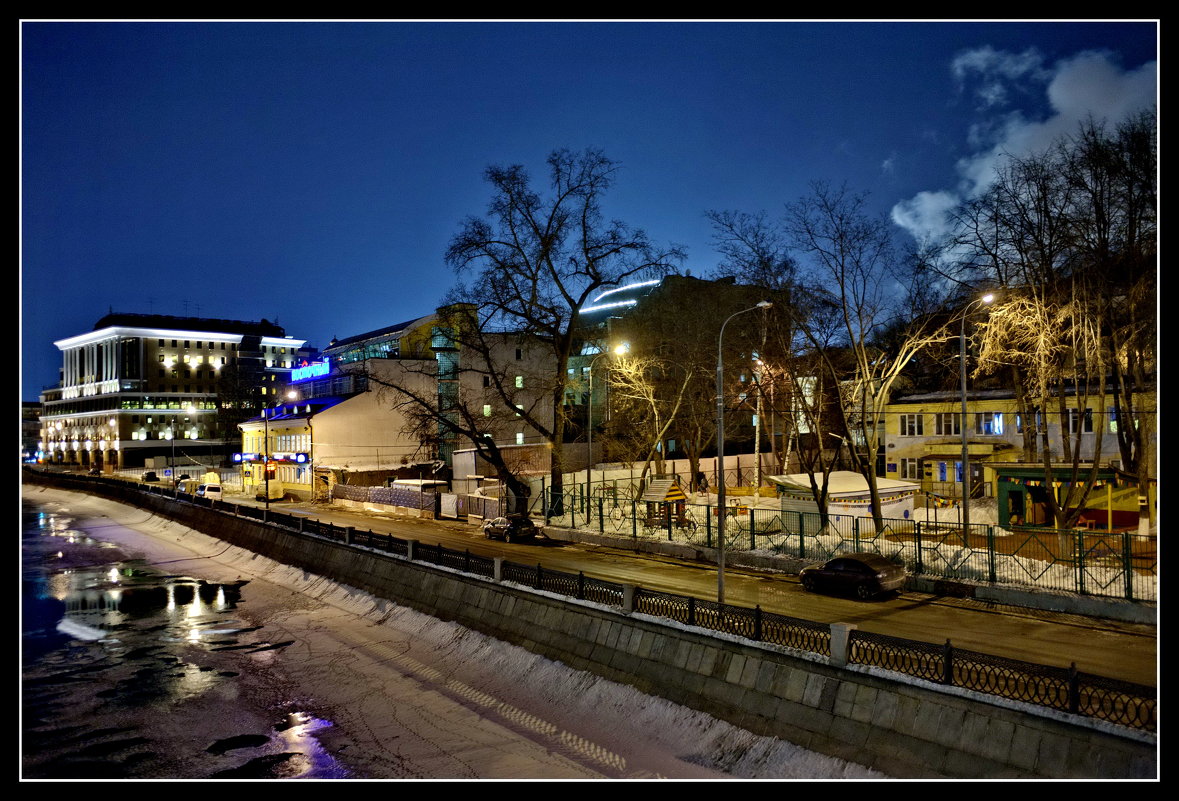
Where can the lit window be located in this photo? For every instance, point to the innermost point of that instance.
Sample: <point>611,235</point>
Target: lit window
<point>519,382</point>
<point>520,438</point>
<point>1032,423</point>
<point>487,410</point>
<point>989,423</point>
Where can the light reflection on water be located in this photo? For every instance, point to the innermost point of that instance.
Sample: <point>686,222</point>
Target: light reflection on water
<point>104,643</point>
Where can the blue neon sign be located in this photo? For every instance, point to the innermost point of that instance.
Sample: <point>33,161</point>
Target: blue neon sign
<point>314,370</point>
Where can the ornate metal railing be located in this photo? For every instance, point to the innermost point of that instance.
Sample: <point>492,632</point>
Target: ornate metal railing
<point>1066,689</point>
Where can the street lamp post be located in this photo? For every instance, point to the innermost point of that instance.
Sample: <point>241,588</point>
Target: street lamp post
<point>172,459</point>
<point>985,299</point>
<point>618,350</point>
<point>720,450</point>
<point>266,454</point>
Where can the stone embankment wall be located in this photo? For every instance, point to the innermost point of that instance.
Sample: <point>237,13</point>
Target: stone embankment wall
<point>900,726</point>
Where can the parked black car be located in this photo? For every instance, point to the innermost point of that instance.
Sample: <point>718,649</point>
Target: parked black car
<point>864,574</point>
<point>511,528</point>
<point>150,476</point>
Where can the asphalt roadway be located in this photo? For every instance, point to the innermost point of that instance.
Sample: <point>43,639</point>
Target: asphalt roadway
<point>1114,649</point>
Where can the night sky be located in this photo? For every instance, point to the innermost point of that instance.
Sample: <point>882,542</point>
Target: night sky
<point>313,173</point>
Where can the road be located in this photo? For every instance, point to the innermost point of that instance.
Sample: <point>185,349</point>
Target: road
<point>1107,648</point>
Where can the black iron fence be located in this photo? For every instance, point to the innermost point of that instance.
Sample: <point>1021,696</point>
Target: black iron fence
<point>1102,564</point>
<point>1064,689</point>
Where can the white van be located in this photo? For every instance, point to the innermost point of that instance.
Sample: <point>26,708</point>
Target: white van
<point>211,491</point>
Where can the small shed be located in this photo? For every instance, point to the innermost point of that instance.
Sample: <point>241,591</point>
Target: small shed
<point>665,500</point>
<point>847,494</point>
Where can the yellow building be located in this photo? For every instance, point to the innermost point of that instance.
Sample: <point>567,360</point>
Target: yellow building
<point>923,437</point>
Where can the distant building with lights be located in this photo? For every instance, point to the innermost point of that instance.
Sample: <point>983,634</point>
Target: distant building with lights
<point>143,387</point>
<point>348,419</point>
<point>332,422</point>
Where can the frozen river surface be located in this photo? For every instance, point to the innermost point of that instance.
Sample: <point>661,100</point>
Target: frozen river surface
<point>154,651</point>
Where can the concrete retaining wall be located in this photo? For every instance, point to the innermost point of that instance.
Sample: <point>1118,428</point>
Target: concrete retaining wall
<point>900,726</point>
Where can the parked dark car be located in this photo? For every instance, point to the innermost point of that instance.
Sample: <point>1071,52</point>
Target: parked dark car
<point>150,476</point>
<point>865,575</point>
<point>511,528</point>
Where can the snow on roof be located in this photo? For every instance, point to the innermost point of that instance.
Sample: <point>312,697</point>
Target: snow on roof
<point>842,482</point>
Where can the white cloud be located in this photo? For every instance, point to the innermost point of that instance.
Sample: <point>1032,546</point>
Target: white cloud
<point>1087,85</point>
<point>925,212</point>
<point>997,72</point>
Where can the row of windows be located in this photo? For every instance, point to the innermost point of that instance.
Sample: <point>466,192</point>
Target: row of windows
<point>216,345</point>
<point>254,442</point>
<point>939,471</point>
<point>992,423</point>
<point>168,433</point>
<point>518,381</point>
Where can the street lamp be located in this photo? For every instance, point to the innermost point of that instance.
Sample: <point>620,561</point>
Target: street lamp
<point>984,300</point>
<point>172,436</point>
<point>720,449</point>
<point>266,454</point>
<point>172,459</point>
<point>618,350</point>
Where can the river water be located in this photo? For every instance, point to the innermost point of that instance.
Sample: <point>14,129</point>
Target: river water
<point>133,672</point>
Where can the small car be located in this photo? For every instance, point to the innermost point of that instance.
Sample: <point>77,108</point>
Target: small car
<point>866,575</point>
<point>511,528</point>
<point>94,471</point>
<point>150,476</point>
<point>211,491</point>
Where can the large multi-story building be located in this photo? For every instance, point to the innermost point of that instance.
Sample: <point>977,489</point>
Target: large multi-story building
<point>143,386</point>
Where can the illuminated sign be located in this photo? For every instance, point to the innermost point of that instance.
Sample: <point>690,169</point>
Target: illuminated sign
<point>285,458</point>
<point>314,370</point>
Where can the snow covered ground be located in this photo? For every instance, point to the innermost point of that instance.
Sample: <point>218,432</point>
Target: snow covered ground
<point>411,697</point>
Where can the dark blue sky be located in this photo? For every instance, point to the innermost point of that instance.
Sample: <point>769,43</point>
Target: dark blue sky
<point>313,173</point>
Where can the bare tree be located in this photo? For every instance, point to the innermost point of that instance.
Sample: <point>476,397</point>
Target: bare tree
<point>756,251</point>
<point>531,264</point>
<point>647,393</point>
<point>1068,237</point>
<point>674,334</point>
<point>852,260</point>
<point>1113,175</point>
